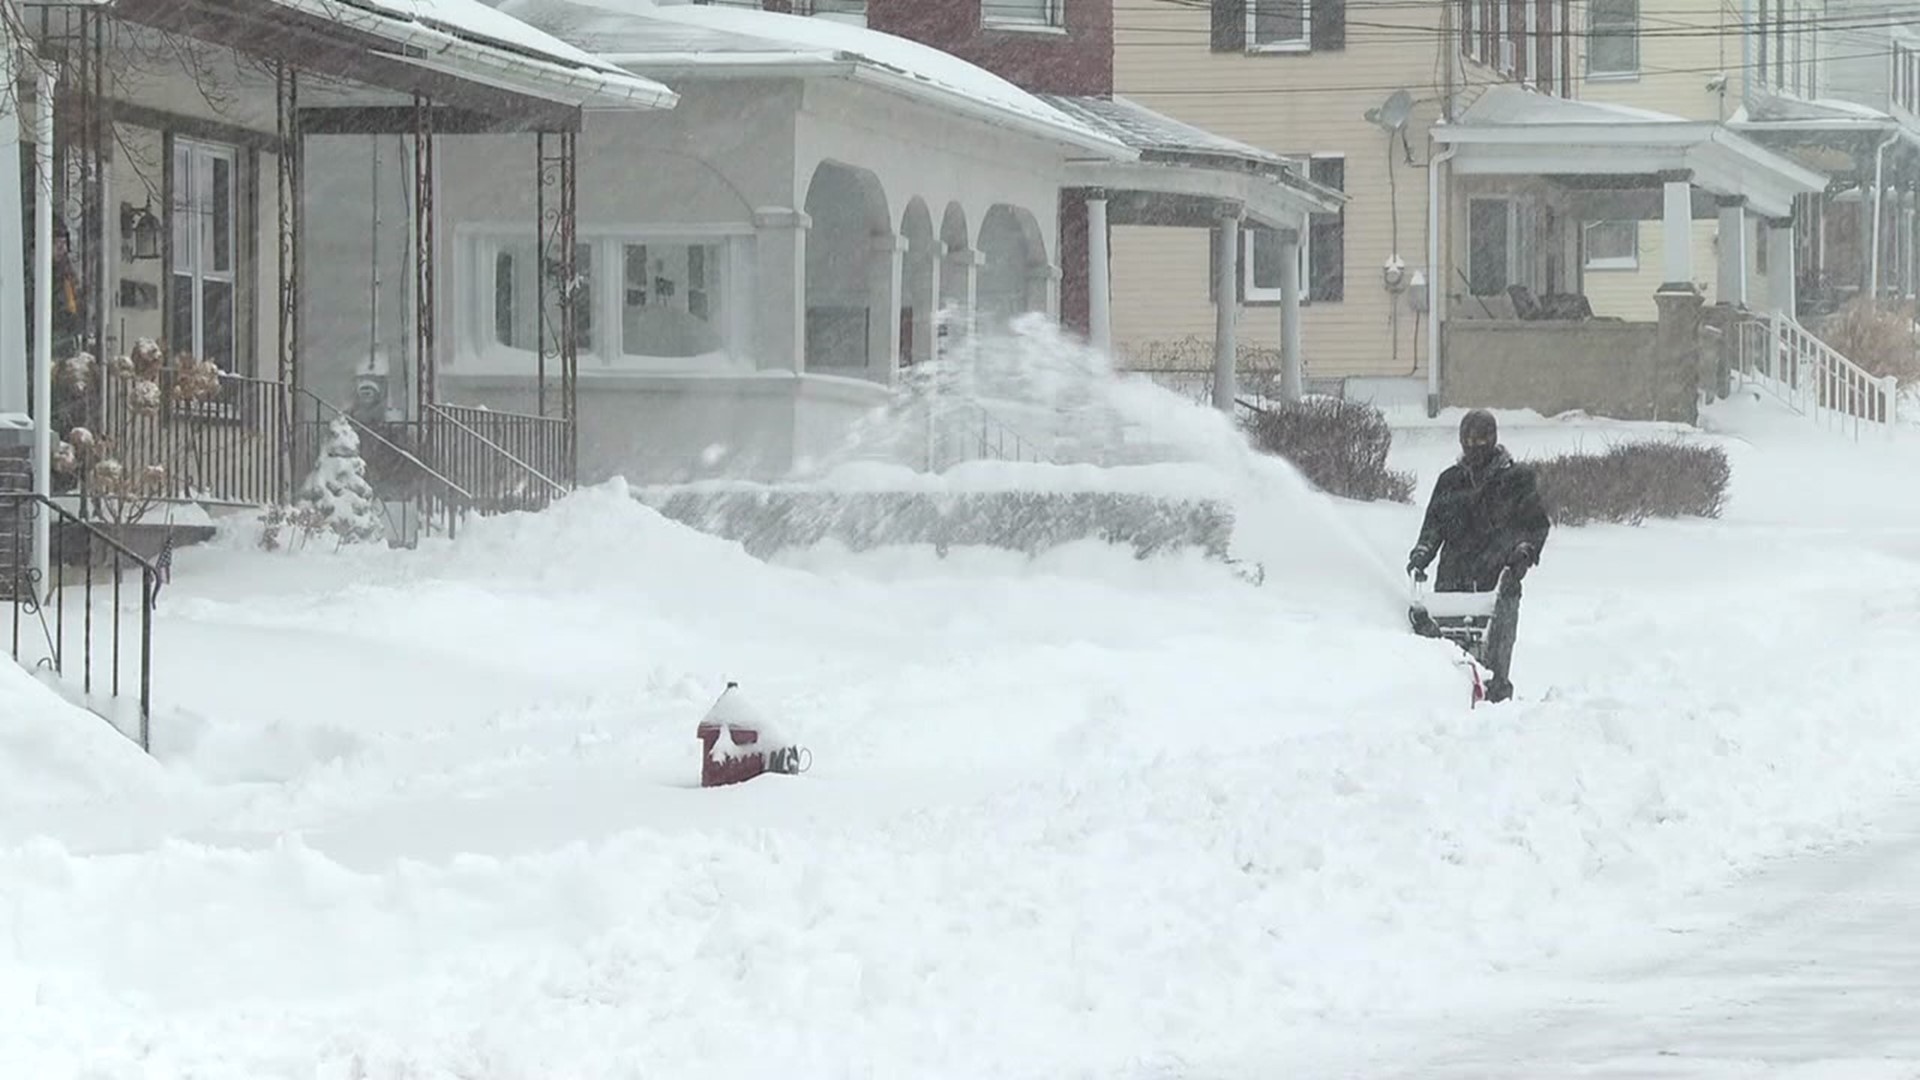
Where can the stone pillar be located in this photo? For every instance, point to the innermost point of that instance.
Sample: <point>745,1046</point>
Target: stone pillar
<point>1099,275</point>
<point>1292,364</point>
<point>1781,271</point>
<point>884,260</point>
<point>780,287</point>
<point>1676,234</point>
<point>1226,307</point>
<point>1731,279</point>
<point>1676,356</point>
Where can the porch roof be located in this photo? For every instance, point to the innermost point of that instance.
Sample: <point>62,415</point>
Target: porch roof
<point>1841,138</point>
<point>458,52</point>
<point>1514,132</point>
<point>1185,174</point>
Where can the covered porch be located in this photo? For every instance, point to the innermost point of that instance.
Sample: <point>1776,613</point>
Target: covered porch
<point>1257,206</point>
<point>180,138</point>
<point>1521,178</point>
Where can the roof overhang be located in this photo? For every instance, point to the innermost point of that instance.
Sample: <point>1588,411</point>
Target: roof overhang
<point>372,47</point>
<point>1183,195</point>
<point>1554,137</point>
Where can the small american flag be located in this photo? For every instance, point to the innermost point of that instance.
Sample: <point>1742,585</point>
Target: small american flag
<point>163,564</point>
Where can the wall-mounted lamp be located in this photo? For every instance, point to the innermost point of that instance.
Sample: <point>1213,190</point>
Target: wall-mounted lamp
<point>139,231</point>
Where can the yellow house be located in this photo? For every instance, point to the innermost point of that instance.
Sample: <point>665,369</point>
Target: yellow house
<point>1571,152</point>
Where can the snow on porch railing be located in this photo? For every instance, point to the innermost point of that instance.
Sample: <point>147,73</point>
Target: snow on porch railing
<point>1813,378</point>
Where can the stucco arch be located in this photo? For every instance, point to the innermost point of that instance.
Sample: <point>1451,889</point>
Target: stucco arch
<point>1013,270</point>
<point>848,208</point>
<point>920,283</point>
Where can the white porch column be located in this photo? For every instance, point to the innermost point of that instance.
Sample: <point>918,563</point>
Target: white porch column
<point>14,392</point>
<point>887,253</point>
<point>1781,270</point>
<point>963,280</point>
<point>43,322</point>
<point>780,286</point>
<point>1043,290</point>
<point>1099,275</point>
<point>924,299</point>
<point>1226,307</point>
<point>1676,234</point>
<point>1292,364</point>
<point>1730,285</point>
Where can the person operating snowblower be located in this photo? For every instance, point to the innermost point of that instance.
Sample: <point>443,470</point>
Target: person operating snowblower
<point>1486,522</point>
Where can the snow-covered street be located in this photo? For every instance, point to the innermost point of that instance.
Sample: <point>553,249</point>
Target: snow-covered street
<point>435,814</point>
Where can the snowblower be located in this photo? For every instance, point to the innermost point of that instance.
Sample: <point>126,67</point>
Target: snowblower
<point>1463,618</point>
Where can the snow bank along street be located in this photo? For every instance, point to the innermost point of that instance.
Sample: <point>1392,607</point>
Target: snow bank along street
<point>435,814</point>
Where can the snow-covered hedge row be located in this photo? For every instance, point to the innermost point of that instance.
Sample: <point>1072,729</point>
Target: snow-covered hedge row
<point>1339,446</point>
<point>768,520</point>
<point>1633,482</point>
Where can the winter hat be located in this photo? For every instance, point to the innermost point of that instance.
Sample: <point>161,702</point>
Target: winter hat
<point>1479,427</point>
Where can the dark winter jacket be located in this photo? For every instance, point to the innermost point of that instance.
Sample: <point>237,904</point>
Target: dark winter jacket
<point>1475,520</point>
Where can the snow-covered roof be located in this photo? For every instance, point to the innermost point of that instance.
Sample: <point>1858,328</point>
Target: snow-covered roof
<point>467,39</point>
<point>689,40</point>
<point>1510,131</point>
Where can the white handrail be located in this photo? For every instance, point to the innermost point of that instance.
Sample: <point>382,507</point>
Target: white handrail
<point>1815,379</point>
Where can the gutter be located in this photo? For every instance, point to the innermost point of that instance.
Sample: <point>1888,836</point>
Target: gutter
<point>1435,279</point>
<point>1879,190</point>
<point>609,88</point>
<point>1074,135</point>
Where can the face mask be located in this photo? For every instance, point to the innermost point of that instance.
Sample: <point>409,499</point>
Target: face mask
<point>1479,454</point>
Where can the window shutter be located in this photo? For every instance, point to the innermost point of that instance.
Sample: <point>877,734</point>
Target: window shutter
<point>1329,24</point>
<point>1229,25</point>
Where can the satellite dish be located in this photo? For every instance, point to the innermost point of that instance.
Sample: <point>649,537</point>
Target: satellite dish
<point>1392,115</point>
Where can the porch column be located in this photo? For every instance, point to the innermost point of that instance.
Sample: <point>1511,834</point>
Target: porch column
<point>1099,275</point>
<point>963,278</point>
<point>1730,286</point>
<point>1781,271</point>
<point>1043,286</point>
<point>923,296</point>
<point>780,282</point>
<point>1911,232</point>
<point>1292,365</point>
<point>14,392</point>
<point>1676,233</point>
<point>1226,306</point>
<point>884,260</point>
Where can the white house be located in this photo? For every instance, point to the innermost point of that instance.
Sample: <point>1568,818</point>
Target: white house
<point>755,266</point>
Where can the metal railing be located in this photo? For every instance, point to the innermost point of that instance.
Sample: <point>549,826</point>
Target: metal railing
<point>218,442</point>
<point>967,432</point>
<point>104,574</point>
<point>1787,360</point>
<point>509,461</point>
<point>394,470</point>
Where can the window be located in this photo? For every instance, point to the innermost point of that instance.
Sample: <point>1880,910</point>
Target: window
<point>1327,235</point>
<point>1279,24</point>
<point>1276,26</point>
<point>1906,77</point>
<point>1613,37</point>
<point>201,285</point>
<point>1612,245</point>
<point>846,11</point>
<point>651,302</point>
<point>1021,13</point>
<point>1761,257</point>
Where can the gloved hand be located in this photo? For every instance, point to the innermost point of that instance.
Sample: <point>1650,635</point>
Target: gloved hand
<point>1524,555</point>
<point>1417,561</point>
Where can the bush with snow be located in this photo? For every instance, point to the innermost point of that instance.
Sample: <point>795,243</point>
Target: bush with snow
<point>337,488</point>
<point>1340,446</point>
<point>1634,481</point>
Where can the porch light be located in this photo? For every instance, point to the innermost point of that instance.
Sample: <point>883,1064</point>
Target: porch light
<point>139,231</point>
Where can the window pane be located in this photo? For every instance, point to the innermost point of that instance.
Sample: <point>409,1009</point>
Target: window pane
<point>1487,259</point>
<point>216,311</point>
<point>583,293</point>
<point>1266,257</point>
<point>1279,21</point>
<point>181,210</point>
<point>1613,241</point>
<point>180,314</point>
<point>671,300</point>
<point>1026,12</point>
<point>219,220</point>
<point>506,309</point>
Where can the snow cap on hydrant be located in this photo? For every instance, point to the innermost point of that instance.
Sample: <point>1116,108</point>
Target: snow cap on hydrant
<point>739,743</point>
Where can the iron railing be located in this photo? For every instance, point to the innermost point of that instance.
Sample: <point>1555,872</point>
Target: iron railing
<point>510,461</point>
<point>1810,376</point>
<point>395,471</point>
<point>218,442</point>
<point>104,572</point>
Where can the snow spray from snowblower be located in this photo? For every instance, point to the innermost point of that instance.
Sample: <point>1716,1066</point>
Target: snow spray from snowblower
<point>738,743</point>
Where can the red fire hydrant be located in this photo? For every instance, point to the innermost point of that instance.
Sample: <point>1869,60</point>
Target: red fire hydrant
<point>738,744</point>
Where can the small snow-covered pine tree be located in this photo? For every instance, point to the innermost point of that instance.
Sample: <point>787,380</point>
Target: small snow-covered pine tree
<point>338,489</point>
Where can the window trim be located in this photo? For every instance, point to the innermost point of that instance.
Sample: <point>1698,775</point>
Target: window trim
<point>1631,31</point>
<point>1052,21</point>
<point>1302,44</point>
<point>1589,261</point>
<point>479,353</point>
<point>197,276</point>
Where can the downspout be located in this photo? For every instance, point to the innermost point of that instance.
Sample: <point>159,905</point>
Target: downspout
<point>1435,279</point>
<point>1879,188</point>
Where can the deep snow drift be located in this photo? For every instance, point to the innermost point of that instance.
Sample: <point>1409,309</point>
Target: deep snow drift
<point>433,814</point>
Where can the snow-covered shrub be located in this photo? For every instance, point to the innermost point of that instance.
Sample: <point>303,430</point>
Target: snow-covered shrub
<point>1339,446</point>
<point>1631,482</point>
<point>1878,335</point>
<point>304,522</point>
<point>338,489</point>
